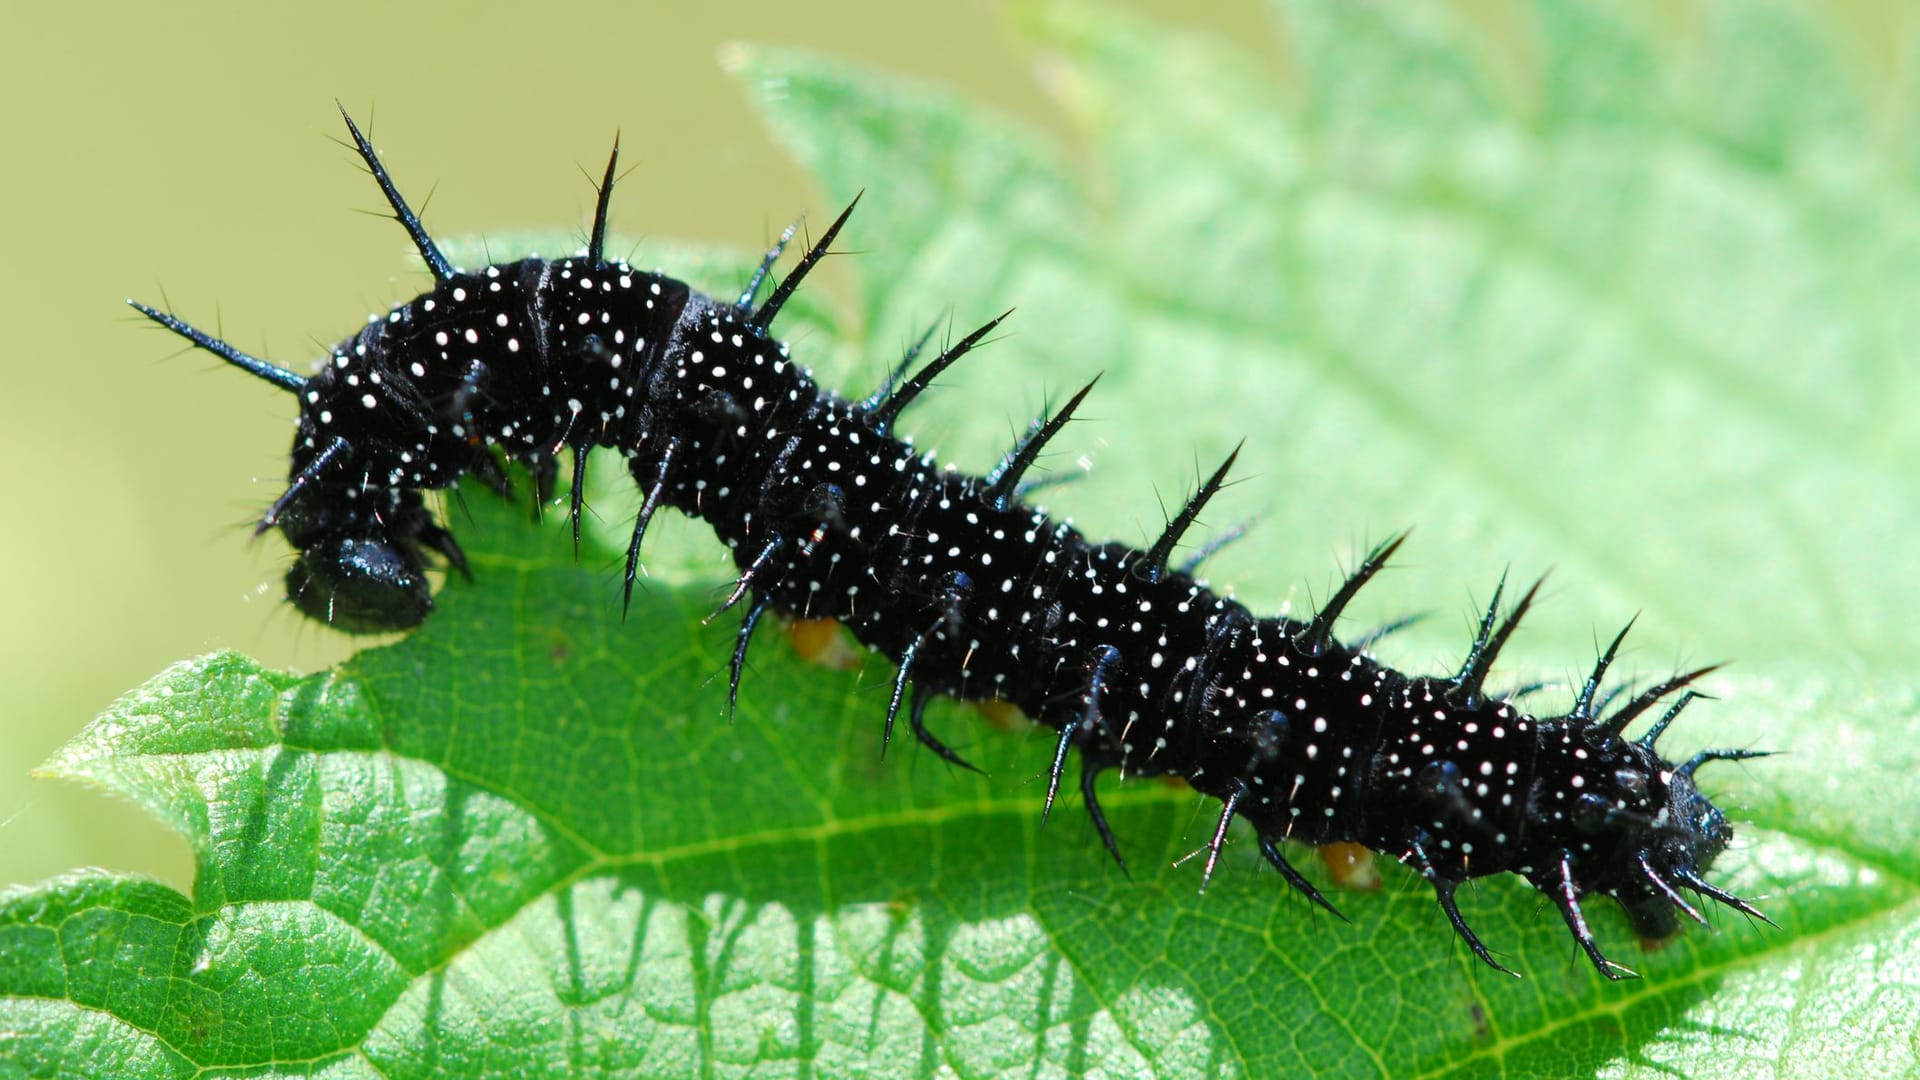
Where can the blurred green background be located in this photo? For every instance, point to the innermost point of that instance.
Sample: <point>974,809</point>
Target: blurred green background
<point>187,155</point>
<point>188,152</point>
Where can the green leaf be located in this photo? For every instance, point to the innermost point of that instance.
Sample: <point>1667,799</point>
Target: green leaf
<point>1639,315</point>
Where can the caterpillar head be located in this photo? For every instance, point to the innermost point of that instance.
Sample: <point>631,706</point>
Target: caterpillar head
<point>364,571</point>
<point>1688,834</point>
<point>359,584</point>
<point>1675,852</point>
<point>1661,832</point>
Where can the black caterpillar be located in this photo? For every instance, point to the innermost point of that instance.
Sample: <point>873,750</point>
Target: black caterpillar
<point>972,592</point>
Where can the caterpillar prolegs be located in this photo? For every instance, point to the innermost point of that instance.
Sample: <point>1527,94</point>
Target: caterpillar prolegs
<point>971,592</point>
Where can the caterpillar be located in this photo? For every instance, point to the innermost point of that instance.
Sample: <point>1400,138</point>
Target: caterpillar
<point>970,591</point>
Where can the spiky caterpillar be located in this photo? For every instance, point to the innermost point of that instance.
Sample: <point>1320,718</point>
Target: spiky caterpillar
<point>970,591</point>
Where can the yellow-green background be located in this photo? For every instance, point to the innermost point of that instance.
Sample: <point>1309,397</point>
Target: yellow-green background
<point>191,149</point>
